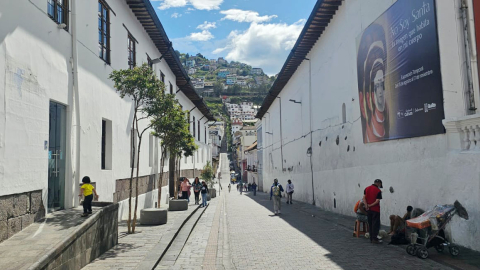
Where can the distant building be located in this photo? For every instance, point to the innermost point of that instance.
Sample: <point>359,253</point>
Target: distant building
<point>260,80</point>
<point>222,61</point>
<point>233,70</point>
<point>213,61</point>
<point>241,82</point>
<point>192,71</point>
<point>231,79</point>
<point>190,63</point>
<point>223,73</point>
<point>212,67</point>
<point>206,67</point>
<point>257,71</point>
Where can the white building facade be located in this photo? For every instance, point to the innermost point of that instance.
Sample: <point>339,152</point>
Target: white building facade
<point>61,118</point>
<point>315,131</point>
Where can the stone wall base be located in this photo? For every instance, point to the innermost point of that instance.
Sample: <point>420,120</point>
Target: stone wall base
<point>94,237</point>
<point>18,211</point>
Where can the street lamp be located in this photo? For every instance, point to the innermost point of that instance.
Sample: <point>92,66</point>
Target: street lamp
<point>294,101</point>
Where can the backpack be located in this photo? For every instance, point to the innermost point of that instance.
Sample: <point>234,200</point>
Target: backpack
<point>276,190</point>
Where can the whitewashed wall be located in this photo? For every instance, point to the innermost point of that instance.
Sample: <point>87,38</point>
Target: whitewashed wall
<point>36,68</point>
<point>421,171</point>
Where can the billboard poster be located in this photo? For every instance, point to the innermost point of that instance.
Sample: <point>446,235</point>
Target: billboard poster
<point>399,79</point>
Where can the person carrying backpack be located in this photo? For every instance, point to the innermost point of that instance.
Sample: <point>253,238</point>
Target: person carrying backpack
<point>276,192</point>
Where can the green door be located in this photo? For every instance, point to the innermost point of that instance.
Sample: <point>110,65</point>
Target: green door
<point>56,156</point>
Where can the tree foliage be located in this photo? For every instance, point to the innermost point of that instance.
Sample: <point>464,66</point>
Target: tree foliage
<point>145,90</point>
<point>208,174</point>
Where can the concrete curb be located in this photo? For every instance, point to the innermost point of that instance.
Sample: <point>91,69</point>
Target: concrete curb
<point>59,248</point>
<point>152,259</point>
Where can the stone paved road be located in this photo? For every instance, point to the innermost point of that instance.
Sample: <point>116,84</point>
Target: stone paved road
<point>256,239</point>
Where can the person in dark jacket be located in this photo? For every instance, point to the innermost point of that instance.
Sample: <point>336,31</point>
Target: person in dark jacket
<point>196,189</point>
<point>276,193</point>
<point>204,191</point>
<point>254,188</point>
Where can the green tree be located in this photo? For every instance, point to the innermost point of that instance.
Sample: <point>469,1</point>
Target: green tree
<point>173,129</point>
<point>145,90</point>
<point>217,89</point>
<point>208,174</point>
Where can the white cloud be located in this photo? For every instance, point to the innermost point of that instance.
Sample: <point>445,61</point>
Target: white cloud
<point>262,45</point>
<point>206,4</point>
<point>166,4</point>
<point>239,15</point>
<point>197,4</point>
<point>201,36</point>
<point>207,25</point>
<point>176,15</point>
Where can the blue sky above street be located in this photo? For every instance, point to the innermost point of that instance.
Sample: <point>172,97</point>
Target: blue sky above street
<point>260,33</point>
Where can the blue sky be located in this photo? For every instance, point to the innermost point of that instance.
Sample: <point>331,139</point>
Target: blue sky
<point>260,33</point>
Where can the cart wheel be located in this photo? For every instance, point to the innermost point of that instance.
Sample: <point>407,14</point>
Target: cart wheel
<point>439,248</point>
<point>453,250</point>
<point>422,252</point>
<point>411,249</point>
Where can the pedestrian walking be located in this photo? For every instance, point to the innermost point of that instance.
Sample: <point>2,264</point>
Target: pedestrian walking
<point>87,191</point>
<point>229,187</point>
<point>197,185</point>
<point>241,188</point>
<point>185,187</point>
<point>237,187</point>
<point>372,196</point>
<point>276,192</point>
<point>290,188</point>
<point>254,188</point>
<point>204,191</point>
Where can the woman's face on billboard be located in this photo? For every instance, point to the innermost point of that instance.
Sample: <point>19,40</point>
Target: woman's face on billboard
<point>379,83</point>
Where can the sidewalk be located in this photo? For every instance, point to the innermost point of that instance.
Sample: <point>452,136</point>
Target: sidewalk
<point>28,246</point>
<point>147,244</point>
<point>467,259</point>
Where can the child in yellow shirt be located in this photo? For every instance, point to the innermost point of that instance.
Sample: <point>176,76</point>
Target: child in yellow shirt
<point>87,190</point>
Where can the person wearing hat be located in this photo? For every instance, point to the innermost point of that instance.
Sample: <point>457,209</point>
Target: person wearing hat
<point>372,196</point>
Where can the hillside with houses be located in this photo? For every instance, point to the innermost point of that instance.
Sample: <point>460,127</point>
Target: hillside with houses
<point>218,77</point>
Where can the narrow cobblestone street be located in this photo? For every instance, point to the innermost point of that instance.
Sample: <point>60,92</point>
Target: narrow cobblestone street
<point>256,239</point>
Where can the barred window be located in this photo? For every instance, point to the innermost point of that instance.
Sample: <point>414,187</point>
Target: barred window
<point>103,32</point>
<point>149,61</point>
<point>198,130</point>
<point>58,11</point>
<point>193,127</point>
<point>131,51</point>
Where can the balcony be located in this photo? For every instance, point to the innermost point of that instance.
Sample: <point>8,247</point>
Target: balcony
<point>463,133</point>
<point>249,168</point>
<point>254,168</point>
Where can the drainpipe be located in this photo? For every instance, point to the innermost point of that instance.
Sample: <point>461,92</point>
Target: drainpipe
<point>470,96</point>
<point>77,98</point>
<point>310,118</point>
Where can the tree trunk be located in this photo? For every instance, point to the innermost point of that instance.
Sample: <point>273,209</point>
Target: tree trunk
<point>162,163</point>
<point>136,184</point>
<point>132,145</point>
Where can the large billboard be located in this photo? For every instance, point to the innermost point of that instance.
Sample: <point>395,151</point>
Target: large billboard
<point>399,80</point>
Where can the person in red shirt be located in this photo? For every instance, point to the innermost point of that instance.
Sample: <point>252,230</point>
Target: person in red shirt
<point>372,196</point>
